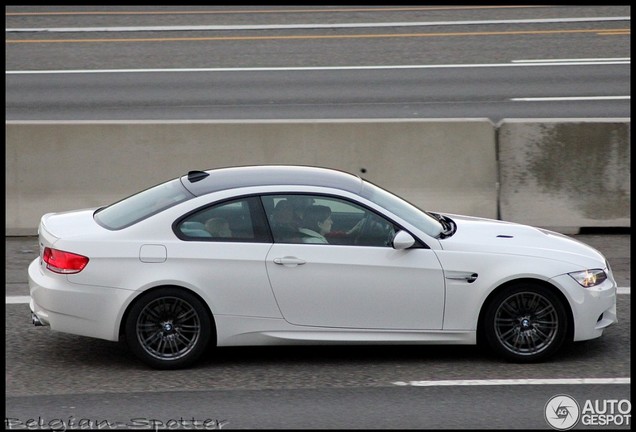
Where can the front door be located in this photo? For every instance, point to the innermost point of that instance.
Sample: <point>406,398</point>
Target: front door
<point>352,283</point>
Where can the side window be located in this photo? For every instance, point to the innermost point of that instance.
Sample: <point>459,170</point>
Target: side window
<point>321,219</point>
<point>239,220</point>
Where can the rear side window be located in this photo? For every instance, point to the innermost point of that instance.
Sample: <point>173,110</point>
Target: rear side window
<point>240,220</point>
<point>142,205</point>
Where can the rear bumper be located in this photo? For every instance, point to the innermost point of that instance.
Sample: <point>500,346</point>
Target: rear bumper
<point>82,310</point>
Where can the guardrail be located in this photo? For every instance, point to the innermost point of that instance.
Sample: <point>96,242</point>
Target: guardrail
<point>561,174</point>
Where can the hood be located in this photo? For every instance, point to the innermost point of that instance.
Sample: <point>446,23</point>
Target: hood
<point>492,236</point>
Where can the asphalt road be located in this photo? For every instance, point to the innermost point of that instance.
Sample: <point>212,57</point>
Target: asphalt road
<point>54,378</point>
<point>124,37</point>
<point>495,92</point>
<point>120,63</point>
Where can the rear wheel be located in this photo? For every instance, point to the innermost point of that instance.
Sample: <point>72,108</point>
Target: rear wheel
<point>168,328</point>
<point>526,323</point>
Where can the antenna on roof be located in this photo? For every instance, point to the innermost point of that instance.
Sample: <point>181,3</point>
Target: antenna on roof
<point>195,176</point>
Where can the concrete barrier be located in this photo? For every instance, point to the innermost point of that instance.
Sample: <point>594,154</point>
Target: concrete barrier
<point>445,165</point>
<point>565,173</point>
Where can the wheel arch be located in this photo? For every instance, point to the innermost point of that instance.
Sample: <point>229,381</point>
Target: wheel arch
<point>124,318</point>
<point>553,289</point>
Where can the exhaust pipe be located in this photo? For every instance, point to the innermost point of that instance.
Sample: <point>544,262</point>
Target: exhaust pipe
<point>36,320</point>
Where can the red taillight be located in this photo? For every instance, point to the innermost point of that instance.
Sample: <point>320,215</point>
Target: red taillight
<point>63,262</point>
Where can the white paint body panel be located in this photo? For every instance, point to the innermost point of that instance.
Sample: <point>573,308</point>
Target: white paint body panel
<point>358,287</point>
<point>340,294</point>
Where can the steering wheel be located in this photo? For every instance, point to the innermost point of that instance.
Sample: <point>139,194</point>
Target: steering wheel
<point>374,231</point>
<point>363,229</point>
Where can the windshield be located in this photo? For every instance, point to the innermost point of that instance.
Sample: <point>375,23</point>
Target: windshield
<point>142,205</point>
<point>405,210</point>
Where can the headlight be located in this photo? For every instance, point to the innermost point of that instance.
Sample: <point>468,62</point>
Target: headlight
<point>589,278</point>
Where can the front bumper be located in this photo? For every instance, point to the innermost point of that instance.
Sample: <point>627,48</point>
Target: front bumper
<point>593,309</point>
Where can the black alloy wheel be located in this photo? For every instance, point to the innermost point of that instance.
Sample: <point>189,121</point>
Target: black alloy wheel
<point>168,328</point>
<point>526,323</point>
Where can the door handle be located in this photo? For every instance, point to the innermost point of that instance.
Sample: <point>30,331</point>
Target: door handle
<point>289,261</point>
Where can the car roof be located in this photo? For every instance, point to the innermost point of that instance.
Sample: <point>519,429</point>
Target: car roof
<point>205,182</point>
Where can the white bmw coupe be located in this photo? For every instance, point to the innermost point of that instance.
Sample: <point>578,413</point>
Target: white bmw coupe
<point>265,255</point>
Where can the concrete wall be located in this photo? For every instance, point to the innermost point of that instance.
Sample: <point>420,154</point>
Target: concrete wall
<point>565,174</point>
<point>445,165</point>
<point>560,174</point>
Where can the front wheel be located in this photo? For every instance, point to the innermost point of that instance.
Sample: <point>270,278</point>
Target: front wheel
<point>526,323</point>
<point>168,328</point>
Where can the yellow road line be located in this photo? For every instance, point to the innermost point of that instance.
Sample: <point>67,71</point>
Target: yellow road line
<point>307,37</point>
<point>614,33</point>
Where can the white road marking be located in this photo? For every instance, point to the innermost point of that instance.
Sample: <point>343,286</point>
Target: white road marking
<point>311,26</point>
<point>571,60</point>
<point>502,382</point>
<point>581,62</point>
<point>569,98</point>
<point>18,299</point>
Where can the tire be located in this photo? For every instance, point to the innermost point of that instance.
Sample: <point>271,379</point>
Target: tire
<point>525,323</point>
<point>168,328</point>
